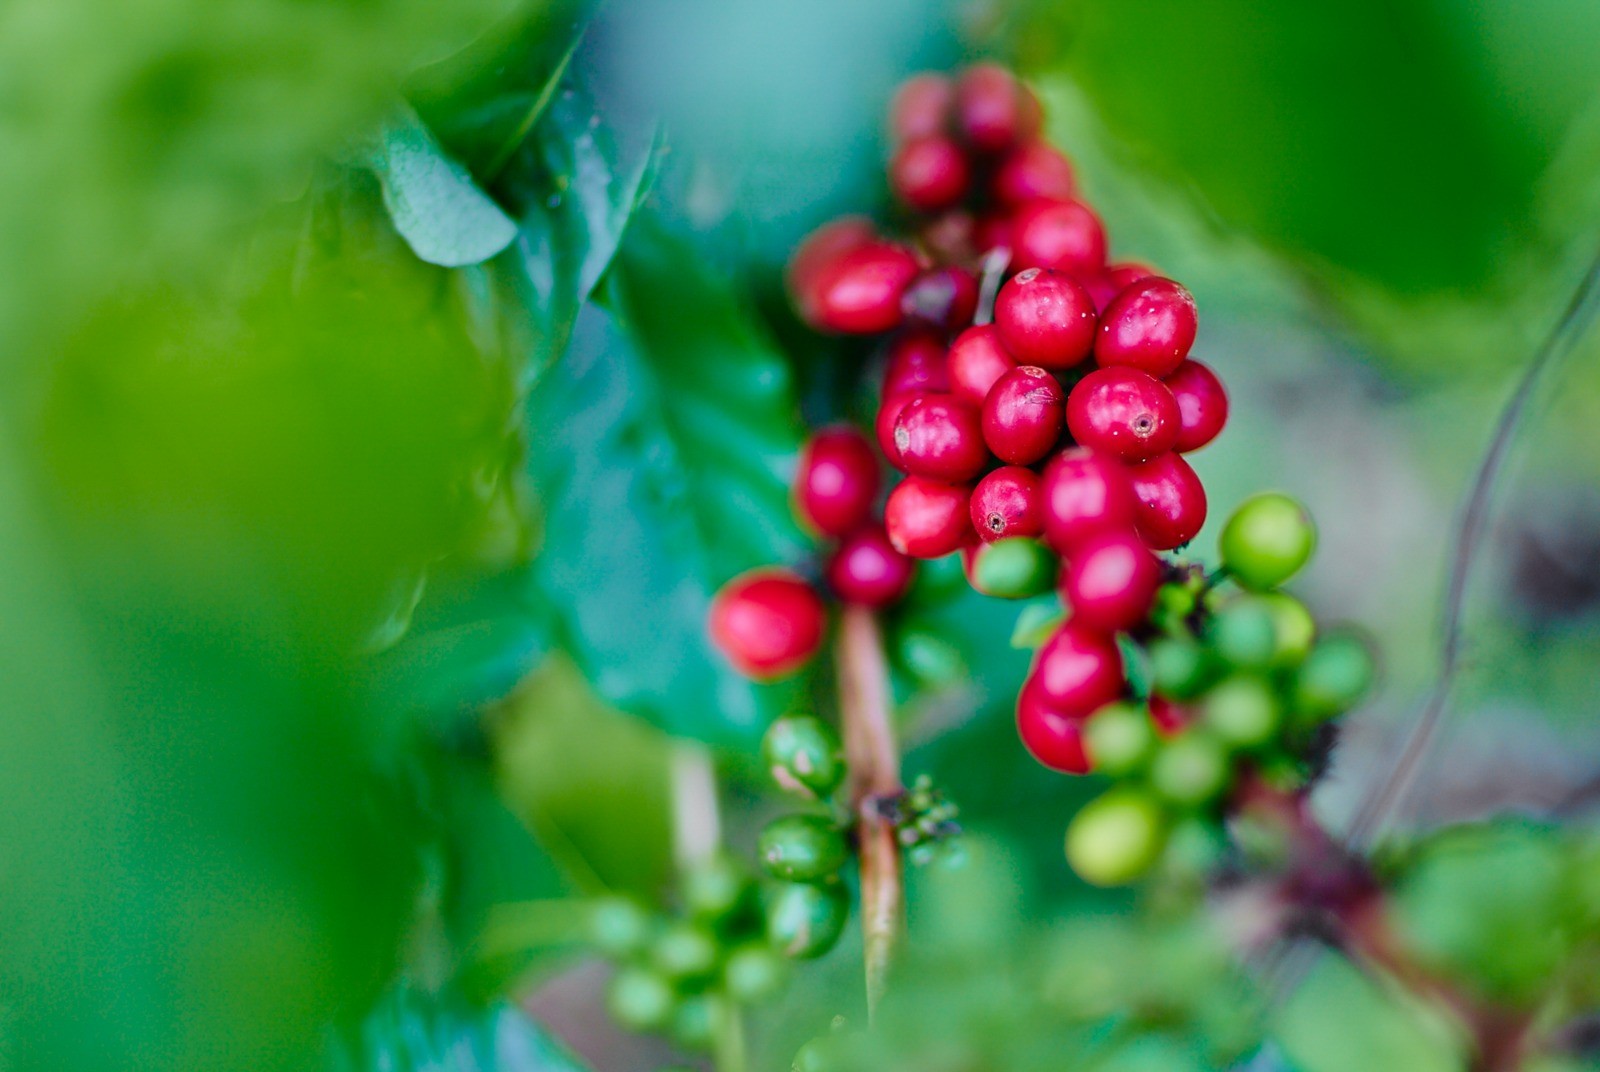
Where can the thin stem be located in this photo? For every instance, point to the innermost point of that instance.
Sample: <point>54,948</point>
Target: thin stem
<point>1387,796</point>
<point>696,819</point>
<point>874,777</point>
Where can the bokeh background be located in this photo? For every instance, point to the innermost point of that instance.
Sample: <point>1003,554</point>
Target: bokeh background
<point>287,508</point>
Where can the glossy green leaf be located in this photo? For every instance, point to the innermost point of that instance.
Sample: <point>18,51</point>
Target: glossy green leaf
<point>414,1032</point>
<point>434,202</point>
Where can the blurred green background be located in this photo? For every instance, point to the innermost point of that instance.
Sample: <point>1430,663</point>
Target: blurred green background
<point>293,491</point>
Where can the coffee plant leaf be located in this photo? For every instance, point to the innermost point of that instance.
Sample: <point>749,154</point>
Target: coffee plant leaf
<point>411,1031</point>
<point>434,202</point>
<point>1374,1028</point>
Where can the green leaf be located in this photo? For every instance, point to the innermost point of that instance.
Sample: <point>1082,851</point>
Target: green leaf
<point>1341,1021</point>
<point>662,449</point>
<point>435,204</point>
<point>413,1032</point>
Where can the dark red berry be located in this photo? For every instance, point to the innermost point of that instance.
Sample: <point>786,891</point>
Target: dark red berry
<point>993,111</point>
<point>938,437</point>
<point>1044,318</point>
<point>1078,670</point>
<point>943,298</point>
<point>1006,502</point>
<point>1084,494</point>
<point>1172,501</point>
<point>977,361</point>
<point>1170,719</point>
<point>1023,415</point>
<point>993,231</point>
<point>1065,236</point>
<point>818,253</point>
<point>1113,281</point>
<point>837,481</point>
<point>859,293</point>
<point>1110,581</point>
<point>929,173</point>
<point>1202,404</point>
<point>1124,412</point>
<point>916,363</point>
<point>928,519</point>
<point>1150,326</point>
<point>767,622</point>
<point>1051,736</point>
<point>1032,172</point>
<point>865,569</point>
<point>921,106</point>
<point>950,236</point>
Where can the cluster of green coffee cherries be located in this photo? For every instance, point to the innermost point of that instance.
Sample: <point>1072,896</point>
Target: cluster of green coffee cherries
<point>1232,683</point>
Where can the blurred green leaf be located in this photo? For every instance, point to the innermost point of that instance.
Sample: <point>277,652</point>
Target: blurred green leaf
<point>413,1032</point>
<point>434,202</point>
<point>1341,1021</point>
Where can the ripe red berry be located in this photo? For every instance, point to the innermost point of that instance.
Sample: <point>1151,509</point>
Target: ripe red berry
<point>1110,581</point>
<point>977,361</point>
<point>1007,502</point>
<point>921,106</point>
<point>883,426</point>
<point>916,363</point>
<point>1084,494</point>
<point>1128,273</point>
<point>1051,736</point>
<point>929,173</point>
<point>993,111</point>
<point>1150,326</point>
<point>865,569</point>
<point>943,298</point>
<point>1170,719</point>
<point>859,292</point>
<point>837,481</point>
<point>928,519</point>
<point>1172,501</point>
<point>1045,319</point>
<point>938,437</point>
<point>817,253</point>
<point>1124,412</point>
<point>1065,236</point>
<point>1078,670</point>
<point>767,622</point>
<point>1032,172</point>
<point>1023,415</point>
<point>1202,405</point>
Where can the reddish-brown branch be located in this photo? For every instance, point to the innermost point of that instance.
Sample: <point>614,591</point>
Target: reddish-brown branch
<point>874,778</point>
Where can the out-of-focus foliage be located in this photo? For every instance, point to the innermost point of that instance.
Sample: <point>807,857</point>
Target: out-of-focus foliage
<point>414,1032</point>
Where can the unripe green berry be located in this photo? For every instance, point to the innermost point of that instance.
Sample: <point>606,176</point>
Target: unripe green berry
<point>1014,568</point>
<point>1293,627</point>
<point>1334,677</point>
<point>1244,634</point>
<point>698,1020</point>
<point>1266,541</point>
<point>640,1000</point>
<point>754,973</point>
<point>805,920</point>
<point>803,756</point>
<point>817,1055</point>
<point>684,951</point>
<point>716,888</point>
<point>930,658</point>
<point>618,927</point>
<point>1180,668</point>
<point>802,848</point>
<point>1242,711</point>
<point>1192,769</point>
<point>1116,838</point>
<point>1120,739</point>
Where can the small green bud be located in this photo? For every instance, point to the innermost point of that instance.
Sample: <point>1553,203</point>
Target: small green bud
<point>1120,739</point>
<point>1191,770</point>
<point>1293,627</point>
<point>640,1000</point>
<point>716,888</point>
<point>684,950</point>
<point>1180,668</point>
<point>618,926</point>
<point>754,973</point>
<point>1334,677</point>
<point>1244,634</point>
<point>1241,710</point>
<point>698,1020</point>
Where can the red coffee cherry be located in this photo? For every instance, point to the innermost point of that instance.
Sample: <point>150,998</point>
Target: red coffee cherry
<point>1128,273</point>
<point>1124,412</point>
<point>921,107</point>
<point>1170,719</point>
<point>1110,581</point>
<point>837,481</point>
<point>817,253</point>
<point>859,293</point>
<point>1032,172</point>
<point>943,298</point>
<point>866,570</point>
<point>1084,494</point>
<point>1023,415</point>
<point>1045,319</point>
<point>1007,502</point>
<point>928,519</point>
<point>1150,326</point>
<point>1172,501</point>
<point>768,622</point>
<point>929,173</point>
<point>1051,736</point>
<point>1078,670</point>
<point>977,361</point>
<point>993,111</point>
<point>940,438</point>
<point>883,426</point>
<point>916,362</point>
<point>993,231</point>
<point>1064,236</point>
<point>1202,405</point>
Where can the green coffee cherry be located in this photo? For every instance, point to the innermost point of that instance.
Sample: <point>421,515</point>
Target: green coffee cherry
<point>820,1054</point>
<point>1014,568</point>
<point>754,973</point>
<point>640,1000</point>
<point>803,756</point>
<point>1180,668</point>
<point>698,1020</point>
<point>802,848</point>
<point>805,920</point>
<point>1242,711</point>
<point>930,658</point>
<point>1293,627</point>
<point>619,927</point>
<point>1266,541</point>
<point>1120,739</point>
<point>1334,677</point>
<point>1116,838</point>
<point>716,888</point>
<point>1244,634</point>
<point>684,951</point>
<point>1191,770</point>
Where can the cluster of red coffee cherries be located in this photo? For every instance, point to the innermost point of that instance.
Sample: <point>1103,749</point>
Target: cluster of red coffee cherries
<point>1044,443</point>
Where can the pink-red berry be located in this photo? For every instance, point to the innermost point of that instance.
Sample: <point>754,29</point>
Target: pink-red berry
<point>1110,581</point>
<point>1064,236</point>
<point>818,253</point>
<point>837,481</point>
<point>1044,318</point>
<point>1084,494</point>
<point>928,518</point>
<point>1032,172</point>
<point>866,570</point>
<point>929,173</point>
<point>1023,415</point>
<point>1007,502</point>
<point>1149,326</point>
<point>1124,412</point>
<point>1077,670</point>
<point>921,107</point>
<point>977,360</point>
<point>916,362</point>
<point>1172,501</point>
<point>883,426</point>
<point>859,292</point>
<point>993,110</point>
<point>1051,736</point>
<point>767,622</point>
<point>939,437</point>
<point>1202,405</point>
<point>943,298</point>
